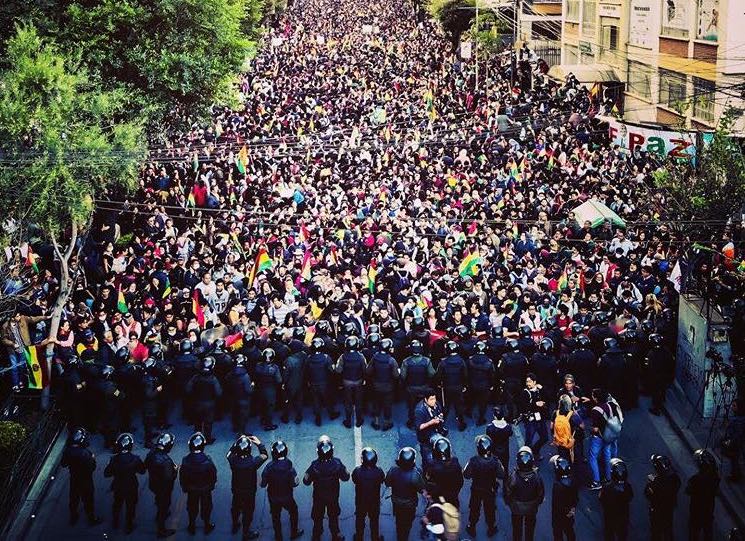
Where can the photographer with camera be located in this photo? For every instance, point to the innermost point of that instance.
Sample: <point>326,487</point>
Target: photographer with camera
<point>534,409</point>
<point>429,420</point>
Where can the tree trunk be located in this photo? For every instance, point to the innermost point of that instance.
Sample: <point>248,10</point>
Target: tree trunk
<point>64,293</point>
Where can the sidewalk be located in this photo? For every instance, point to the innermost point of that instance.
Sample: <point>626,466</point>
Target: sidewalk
<point>694,433</point>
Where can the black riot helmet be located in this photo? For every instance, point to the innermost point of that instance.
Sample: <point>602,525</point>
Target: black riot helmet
<point>124,443</point>
<point>576,329</point>
<point>122,355</point>
<point>618,471</point>
<point>369,457</point>
<point>661,464</point>
<point>219,345</point>
<point>406,458</point>
<point>417,323</point>
<point>441,449</point>
<point>480,347</point>
<point>268,355</point>
<point>249,339</point>
<point>415,347</point>
<point>600,318</point>
<point>239,360</point>
<point>107,371</point>
<point>546,345</point>
<point>277,333</point>
<point>526,331</point>
<point>242,446</point>
<point>197,442</point>
<point>705,460</point>
<point>550,323</point>
<point>656,339</point>
<point>562,469</point>
<point>279,450</point>
<point>149,365</point>
<point>525,460</point>
<point>461,331</point>
<point>165,442</point>
<point>352,343</point>
<point>373,329</point>
<point>483,446</point>
<point>451,347</point>
<point>350,329</point>
<point>513,344</point>
<point>73,360</point>
<point>386,344</point>
<point>325,448</point>
<point>373,339</point>
<point>394,324</point>
<point>322,327</point>
<point>610,343</point>
<point>186,346</point>
<point>648,326</point>
<point>298,333</point>
<point>584,341</point>
<point>79,437</point>
<point>317,344</point>
<point>630,325</point>
<point>208,365</point>
<point>156,350</point>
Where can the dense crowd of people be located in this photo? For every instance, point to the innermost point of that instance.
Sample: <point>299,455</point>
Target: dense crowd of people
<point>375,219</point>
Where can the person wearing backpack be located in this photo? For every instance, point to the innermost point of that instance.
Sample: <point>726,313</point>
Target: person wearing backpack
<point>607,420</point>
<point>564,426</point>
<point>524,493</point>
<point>442,521</point>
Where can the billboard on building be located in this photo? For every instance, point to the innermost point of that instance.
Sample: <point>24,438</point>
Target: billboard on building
<point>640,24</point>
<point>674,144</point>
<point>708,20</point>
<point>675,14</point>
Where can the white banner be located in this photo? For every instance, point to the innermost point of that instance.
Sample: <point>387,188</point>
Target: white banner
<point>708,19</point>
<point>640,24</point>
<point>666,143</point>
<point>465,50</point>
<point>675,14</point>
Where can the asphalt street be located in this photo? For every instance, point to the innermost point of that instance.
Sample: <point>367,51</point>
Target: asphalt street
<point>642,435</point>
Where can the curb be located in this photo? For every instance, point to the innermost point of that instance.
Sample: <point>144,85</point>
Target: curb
<point>725,495</point>
<point>18,528</point>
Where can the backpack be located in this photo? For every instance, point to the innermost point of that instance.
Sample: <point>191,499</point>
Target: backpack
<point>613,421</point>
<point>450,519</point>
<point>563,431</point>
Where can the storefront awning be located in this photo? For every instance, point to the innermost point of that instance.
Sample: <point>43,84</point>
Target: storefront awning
<point>585,73</point>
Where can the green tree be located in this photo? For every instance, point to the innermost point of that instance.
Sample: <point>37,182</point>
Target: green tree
<point>455,16</point>
<point>62,143</point>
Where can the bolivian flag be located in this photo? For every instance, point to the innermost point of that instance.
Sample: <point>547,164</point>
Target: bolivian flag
<point>470,265</point>
<point>372,273</point>
<point>263,262</point>
<point>121,302</point>
<point>35,377</point>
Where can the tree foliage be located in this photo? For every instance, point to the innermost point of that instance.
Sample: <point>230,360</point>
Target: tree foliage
<point>715,188</point>
<point>455,16</point>
<point>62,141</point>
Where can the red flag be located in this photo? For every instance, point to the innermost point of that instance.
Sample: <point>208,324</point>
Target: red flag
<point>196,307</point>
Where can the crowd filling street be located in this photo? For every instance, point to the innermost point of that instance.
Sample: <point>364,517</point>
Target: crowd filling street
<point>379,226</point>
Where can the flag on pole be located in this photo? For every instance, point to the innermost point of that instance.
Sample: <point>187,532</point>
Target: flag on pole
<point>35,374</point>
<point>234,342</point>
<point>241,162</point>
<point>470,264</point>
<point>263,262</point>
<point>167,290</point>
<point>196,308</point>
<point>676,277</point>
<point>121,302</point>
<point>190,201</point>
<point>372,273</point>
<point>305,271</point>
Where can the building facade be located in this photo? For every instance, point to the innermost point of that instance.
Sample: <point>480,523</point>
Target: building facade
<point>682,61</point>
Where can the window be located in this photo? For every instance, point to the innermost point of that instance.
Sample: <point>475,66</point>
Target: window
<point>703,99</point>
<point>589,17</point>
<point>572,10</point>
<point>672,88</point>
<point>675,19</point>
<point>640,80</point>
<point>610,38</point>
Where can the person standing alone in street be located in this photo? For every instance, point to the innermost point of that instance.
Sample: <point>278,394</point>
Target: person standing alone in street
<point>244,468</point>
<point>82,463</point>
<point>162,474</point>
<point>198,477</point>
<point>280,478</point>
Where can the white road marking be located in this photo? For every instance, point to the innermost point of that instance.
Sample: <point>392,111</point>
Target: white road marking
<point>357,445</point>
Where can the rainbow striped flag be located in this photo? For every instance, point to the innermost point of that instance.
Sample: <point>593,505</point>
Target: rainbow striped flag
<point>470,264</point>
<point>121,302</point>
<point>263,262</point>
<point>196,308</point>
<point>372,273</point>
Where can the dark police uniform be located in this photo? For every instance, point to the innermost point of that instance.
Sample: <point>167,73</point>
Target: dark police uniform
<point>367,482</point>
<point>319,367</point>
<point>351,366</point>
<point>325,476</point>
<point>484,472</point>
<point>383,371</point>
<point>280,478</point>
<point>203,391</point>
<point>162,474</point>
<point>198,477</point>
<point>452,373</point>
<point>124,467</point>
<point>480,376</point>
<point>445,479</point>
<point>268,378</point>
<point>416,373</point>
<point>82,463</point>
<point>292,376</point>
<point>244,486</point>
<point>615,499</point>
<point>239,388</point>
<point>662,492</point>
<point>405,487</point>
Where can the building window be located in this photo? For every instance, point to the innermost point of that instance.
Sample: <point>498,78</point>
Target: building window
<point>672,88</point>
<point>572,10</point>
<point>640,80</point>
<point>589,17</point>
<point>610,38</point>
<point>703,99</point>
<point>675,18</point>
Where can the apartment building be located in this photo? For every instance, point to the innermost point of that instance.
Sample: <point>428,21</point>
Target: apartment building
<point>681,61</point>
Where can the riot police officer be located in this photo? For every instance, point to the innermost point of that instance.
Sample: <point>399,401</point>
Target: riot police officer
<point>367,479</point>
<point>280,478</point>
<point>452,373</point>
<point>499,432</point>
<point>444,474</point>
<point>162,472</point>
<point>544,365</point>
<point>524,493</point>
<point>292,377</point>
<point>480,378</point>
<point>659,371</point>
<point>351,366</point>
<point>319,369</point>
<point>124,467</point>
<point>599,332</point>
<point>185,366</point>
<point>526,342</point>
<point>82,463</point>
<point>72,389</point>
<point>406,482</point>
<point>662,493</point>
<point>277,343</point>
<point>612,369</point>
<point>203,390</point>
<point>151,388</point>
<point>583,361</point>
<point>244,467</point>
<point>239,388</point>
<point>269,379</point>
<point>615,499</point>
<point>702,487</point>
<point>513,366</point>
<point>108,400</point>
<point>198,476</point>
<point>383,371</point>
<point>564,498</point>
<point>416,372</point>
<point>325,474</point>
<point>484,470</point>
